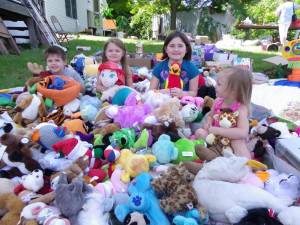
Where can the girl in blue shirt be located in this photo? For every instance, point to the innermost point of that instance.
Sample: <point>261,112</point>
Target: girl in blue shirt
<point>176,49</point>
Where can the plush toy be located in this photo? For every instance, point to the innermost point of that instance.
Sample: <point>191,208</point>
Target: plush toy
<point>40,213</point>
<point>143,200</point>
<point>158,129</point>
<point>290,215</point>
<point>164,150</point>
<point>132,114</point>
<point>47,134</point>
<point>16,153</point>
<point>57,84</point>
<point>133,164</point>
<point>229,202</point>
<point>71,107</point>
<point>155,98</point>
<point>70,197</point>
<point>6,124</point>
<point>89,107</point>
<point>111,74</point>
<point>136,218</point>
<point>76,125</point>
<point>176,191</point>
<point>113,186</point>
<point>95,210</point>
<point>285,186</point>
<point>186,149</point>
<point>174,80</point>
<point>10,209</point>
<point>191,217</point>
<point>29,110</point>
<point>145,139</point>
<point>7,186</point>
<point>123,138</point>
<point>169,112</point>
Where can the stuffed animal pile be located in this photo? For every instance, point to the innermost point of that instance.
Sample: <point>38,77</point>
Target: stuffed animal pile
<point>129,156</point>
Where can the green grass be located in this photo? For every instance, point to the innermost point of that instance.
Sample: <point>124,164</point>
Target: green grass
<point>13,69</point>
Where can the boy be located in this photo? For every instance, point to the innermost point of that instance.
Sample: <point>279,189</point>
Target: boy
<point>56,61</point>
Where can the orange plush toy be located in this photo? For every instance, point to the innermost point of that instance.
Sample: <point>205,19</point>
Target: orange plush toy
<point>12,207</point>
<point>174,80</point>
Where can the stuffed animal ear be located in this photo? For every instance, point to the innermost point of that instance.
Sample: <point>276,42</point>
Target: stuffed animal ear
<point>7,127</point>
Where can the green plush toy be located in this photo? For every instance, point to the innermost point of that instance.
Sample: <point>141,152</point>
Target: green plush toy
<point>123,138</point>
<point>143,141</point>
<point>186,149</point>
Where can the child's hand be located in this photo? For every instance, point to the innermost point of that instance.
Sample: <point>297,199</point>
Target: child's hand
<point>35,68</point>
<point>176,92</point>
<point>213,130</point>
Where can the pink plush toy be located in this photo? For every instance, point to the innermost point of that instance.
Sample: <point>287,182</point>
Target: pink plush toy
<point>198,101</point>
<point>114,185</point>
<point>132,113</point>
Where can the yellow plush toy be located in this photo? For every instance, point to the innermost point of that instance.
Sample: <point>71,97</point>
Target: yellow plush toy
<point>134,164</point>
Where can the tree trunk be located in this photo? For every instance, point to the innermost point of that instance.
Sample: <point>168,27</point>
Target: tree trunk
<point>173,4</point>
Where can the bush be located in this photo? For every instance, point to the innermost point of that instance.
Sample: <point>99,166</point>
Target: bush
<point>141,23</point>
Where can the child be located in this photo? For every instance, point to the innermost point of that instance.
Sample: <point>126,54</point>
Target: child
<point>285,12</point>
<point>177,52</point>
<point>114,51</point>
<point>56,61</point>
<point>233,90</point>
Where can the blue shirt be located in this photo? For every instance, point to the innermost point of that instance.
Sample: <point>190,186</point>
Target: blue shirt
<point>188,72</point>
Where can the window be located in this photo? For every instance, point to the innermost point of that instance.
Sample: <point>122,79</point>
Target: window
<point>71,9</point>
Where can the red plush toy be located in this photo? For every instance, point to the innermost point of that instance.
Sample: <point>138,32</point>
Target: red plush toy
<point>174,80</point>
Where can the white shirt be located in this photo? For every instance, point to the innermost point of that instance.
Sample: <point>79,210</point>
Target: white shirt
<point>286,12</point>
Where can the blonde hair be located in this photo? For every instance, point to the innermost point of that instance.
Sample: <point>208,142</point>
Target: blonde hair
<point>239,83</point>
<point>121,45</point>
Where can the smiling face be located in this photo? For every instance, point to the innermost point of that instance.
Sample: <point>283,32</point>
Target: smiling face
<point>176,49</point>
<point>114,53</point>
<point>55,63</point>
<point>108,77</point>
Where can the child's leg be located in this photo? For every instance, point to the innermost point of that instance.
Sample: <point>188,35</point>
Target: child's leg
<point>240,149</point>
<point>201,133</point>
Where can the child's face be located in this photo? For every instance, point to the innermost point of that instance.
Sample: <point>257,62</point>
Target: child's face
<point>176,49</point>
<point>114,53</point>
<point>55,63</point>
<point>221,87</point>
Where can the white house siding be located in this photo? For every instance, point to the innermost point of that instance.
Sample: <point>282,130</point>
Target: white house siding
<point>58,9</point>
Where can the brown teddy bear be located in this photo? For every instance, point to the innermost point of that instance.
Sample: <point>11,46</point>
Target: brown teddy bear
<point>10,209</point>
<point>15,152</point>
<point>177,192</point>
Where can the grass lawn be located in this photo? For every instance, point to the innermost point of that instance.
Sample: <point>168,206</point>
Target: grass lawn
<point>13,70</point>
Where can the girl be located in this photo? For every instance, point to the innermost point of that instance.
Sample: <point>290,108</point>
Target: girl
<point>233,90</point>
<point>176,49</point>
<point>114,51</point>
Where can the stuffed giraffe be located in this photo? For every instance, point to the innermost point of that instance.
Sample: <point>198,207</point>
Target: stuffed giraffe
<point>218,144</point>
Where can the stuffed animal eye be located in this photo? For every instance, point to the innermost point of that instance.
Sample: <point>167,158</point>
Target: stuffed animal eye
<point>112,75</point>
<point>37,176</point>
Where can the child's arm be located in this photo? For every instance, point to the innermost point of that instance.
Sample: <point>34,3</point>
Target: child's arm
<point>239,132</point>
<point>129,81</point>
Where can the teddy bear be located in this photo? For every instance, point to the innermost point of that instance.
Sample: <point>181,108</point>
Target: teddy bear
<point>143,200</point>
<point>168,112</point>
<point>29,109</point>
<point>133,164</point>
<point>16,153</point>
<point>10,209</point>
<point>218,144</point>
<point>228,201</point>
<point>175,188</point>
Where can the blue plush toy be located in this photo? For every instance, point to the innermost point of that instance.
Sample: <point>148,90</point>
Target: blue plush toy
<point>142,199</point>
<point>191,217</point>
<point>164,149</point>
<point>57,84</point>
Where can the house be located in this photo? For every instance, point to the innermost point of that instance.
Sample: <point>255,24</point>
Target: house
<point>75,15</point>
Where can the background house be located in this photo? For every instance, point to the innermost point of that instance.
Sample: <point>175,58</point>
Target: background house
<point>75,15</point>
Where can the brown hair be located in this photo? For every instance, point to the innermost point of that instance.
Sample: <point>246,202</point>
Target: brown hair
<point>240,83</point>
<point>182,36</point>
<point>55,50</point>
<point>121,45</point>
